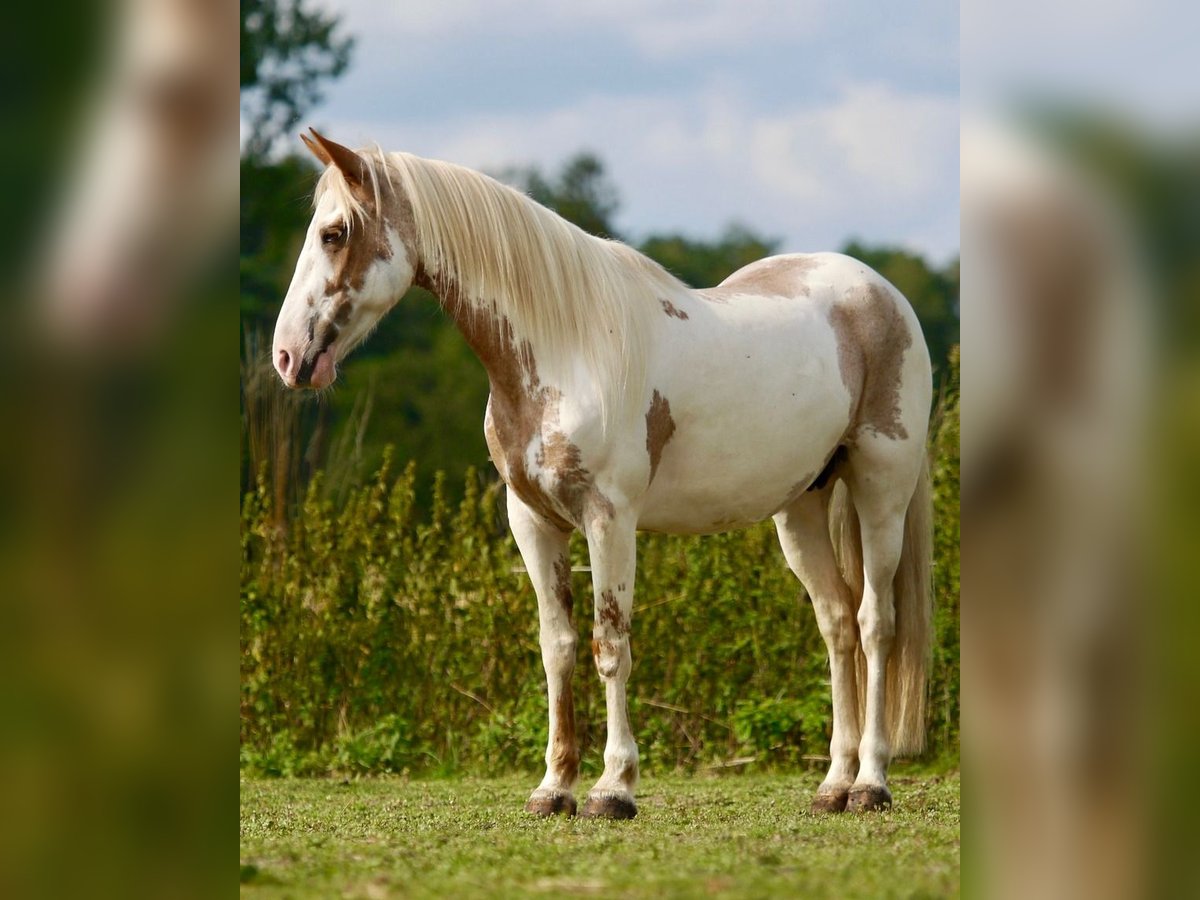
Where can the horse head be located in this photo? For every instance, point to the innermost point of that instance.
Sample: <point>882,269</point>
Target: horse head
<point>357,261</point>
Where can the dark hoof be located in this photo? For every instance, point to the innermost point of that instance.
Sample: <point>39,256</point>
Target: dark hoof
<point>608,806</point>
<point>550,803</point>
<point>869,799</point>
<point>832,801</point>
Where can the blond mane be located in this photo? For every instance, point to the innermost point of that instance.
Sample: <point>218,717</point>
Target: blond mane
<point>577,299</point>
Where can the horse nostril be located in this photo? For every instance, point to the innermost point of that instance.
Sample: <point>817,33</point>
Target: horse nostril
<point>284,363</point>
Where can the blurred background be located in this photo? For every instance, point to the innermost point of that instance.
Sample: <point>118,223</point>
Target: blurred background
<point>1080,203</point>
<point>118,535</point>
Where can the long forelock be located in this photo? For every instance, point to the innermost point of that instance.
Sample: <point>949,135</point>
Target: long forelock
<point>346,200</point>
<point>575,298</point>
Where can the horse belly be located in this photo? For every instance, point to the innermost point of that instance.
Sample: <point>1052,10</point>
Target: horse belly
<point>725,471</point>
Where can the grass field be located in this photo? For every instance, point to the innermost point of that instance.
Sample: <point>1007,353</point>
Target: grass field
<point>732,836</point>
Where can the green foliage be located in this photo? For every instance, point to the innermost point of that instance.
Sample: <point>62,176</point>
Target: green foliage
<point>380,636</point>
<point>944,675</point>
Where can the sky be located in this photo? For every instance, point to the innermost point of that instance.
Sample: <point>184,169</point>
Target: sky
<point>808,122</point>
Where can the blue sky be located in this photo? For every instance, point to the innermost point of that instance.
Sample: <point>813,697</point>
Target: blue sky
<point>809,122</point>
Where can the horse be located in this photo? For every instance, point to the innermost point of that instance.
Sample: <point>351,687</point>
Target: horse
<point>622,400</point>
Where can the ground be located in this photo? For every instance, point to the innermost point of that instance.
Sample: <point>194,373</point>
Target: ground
<point>731,836</point>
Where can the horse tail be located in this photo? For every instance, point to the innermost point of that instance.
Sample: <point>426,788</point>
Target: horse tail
<point>908,663</point>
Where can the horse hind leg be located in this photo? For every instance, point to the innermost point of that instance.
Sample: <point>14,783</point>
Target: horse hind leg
<point>882,475</point>
<point>544,550</point>
<point>803,529</point>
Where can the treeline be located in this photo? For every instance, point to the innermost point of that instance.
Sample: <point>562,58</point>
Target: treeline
<point>415,385</point>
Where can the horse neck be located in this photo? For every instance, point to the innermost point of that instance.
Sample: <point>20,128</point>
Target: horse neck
<point>509,363</point>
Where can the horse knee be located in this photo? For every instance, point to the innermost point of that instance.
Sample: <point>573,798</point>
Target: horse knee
<point>558,652</point>
<point>612,656</point>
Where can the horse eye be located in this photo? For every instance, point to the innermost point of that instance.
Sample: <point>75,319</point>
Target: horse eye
<point>333,235</point>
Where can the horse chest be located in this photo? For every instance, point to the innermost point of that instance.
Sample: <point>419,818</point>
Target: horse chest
<point>539,462</point>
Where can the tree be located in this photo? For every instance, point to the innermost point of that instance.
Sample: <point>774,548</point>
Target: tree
<point>287,51</point>
<point>703,264</point>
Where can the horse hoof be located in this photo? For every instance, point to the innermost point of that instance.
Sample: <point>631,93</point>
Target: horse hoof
<point>608,806</point>
<point>869,799</point>
<point>831,801</point>
<point>550,803</point>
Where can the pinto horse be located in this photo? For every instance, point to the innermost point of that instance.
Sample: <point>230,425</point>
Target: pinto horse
<point>799,389</point>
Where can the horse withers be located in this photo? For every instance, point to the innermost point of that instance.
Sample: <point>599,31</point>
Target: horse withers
<point>798,389</point>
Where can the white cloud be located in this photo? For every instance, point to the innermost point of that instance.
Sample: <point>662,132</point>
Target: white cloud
<point>873,139</point>
<point>702,136</point>
<point>660,28</point>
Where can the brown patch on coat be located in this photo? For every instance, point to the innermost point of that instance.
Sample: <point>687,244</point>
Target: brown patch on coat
<point>361,247</point>
<point>672,310</point>
<point>659,429</point>
<point>628,774</point>
<point>564,750</point>
<point>608,612</point>
<point>573,488</point>
<point>872,337</point>
<point>521,410</point>
<point>777,276</point>
<point>366,240</point>
<point>495,449</point>
<point>562,587</point>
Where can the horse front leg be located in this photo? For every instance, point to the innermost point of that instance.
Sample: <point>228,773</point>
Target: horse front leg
<point>544,549</point>
<point>612,545</point>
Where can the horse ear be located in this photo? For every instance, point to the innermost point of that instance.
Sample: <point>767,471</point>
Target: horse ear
<point>316,150</point>
<point>353,167</point>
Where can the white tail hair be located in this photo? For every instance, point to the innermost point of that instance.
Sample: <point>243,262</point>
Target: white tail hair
<point>908,663</point>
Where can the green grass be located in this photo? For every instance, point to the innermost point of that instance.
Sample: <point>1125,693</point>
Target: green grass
<point>734,836</point>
